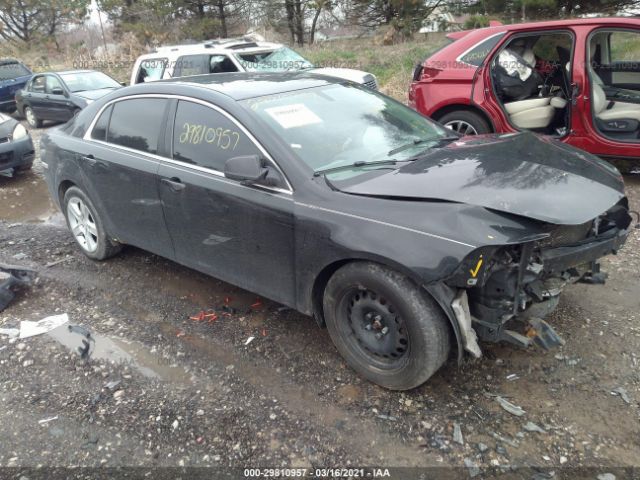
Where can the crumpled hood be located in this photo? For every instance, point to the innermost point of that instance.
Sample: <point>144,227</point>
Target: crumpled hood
<point>522,174</point>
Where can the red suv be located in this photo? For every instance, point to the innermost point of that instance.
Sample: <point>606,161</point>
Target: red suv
<point>576,80</point>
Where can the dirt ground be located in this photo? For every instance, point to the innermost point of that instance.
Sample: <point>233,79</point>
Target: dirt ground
<point>163,390</point>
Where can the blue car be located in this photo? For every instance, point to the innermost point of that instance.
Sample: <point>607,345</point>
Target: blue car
<point>14,75</point>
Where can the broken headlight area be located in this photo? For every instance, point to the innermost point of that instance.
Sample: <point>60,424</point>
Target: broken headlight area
<point>511,289</point>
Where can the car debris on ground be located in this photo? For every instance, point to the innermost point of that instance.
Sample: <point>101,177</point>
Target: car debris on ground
<point>11,278</point>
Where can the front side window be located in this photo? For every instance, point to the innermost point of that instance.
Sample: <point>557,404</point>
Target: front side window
<point>38,84</point>
<point>151,69</point>
<point>205,137</point>
<point>52,84</point>
<point>137,123</point>
<point>339,125</point>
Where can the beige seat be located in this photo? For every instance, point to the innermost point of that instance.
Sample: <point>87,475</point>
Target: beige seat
<point>618,111</point>
<point>531,113</point>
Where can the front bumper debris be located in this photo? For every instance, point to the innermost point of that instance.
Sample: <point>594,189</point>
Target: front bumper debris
<point>11,278</point>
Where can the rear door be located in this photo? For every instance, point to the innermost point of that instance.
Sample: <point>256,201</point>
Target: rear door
<point>120,160</point>
<point>240,234</point>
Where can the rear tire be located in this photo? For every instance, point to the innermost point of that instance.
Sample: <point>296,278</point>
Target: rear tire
<point>87,227</point>
<point>465,122</point>
<point>385,327</point>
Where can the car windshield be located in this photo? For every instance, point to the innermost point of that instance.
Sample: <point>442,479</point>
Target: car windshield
<point>281,60</point>
<point>337,126</point>
<point>80,82</point>
<point>13,70</point>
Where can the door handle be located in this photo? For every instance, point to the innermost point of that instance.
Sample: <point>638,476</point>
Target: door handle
<point>92,162</point>
<point>89,159</point>
<point>174,183</point>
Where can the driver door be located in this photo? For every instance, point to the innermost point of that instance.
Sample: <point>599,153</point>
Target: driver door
<point>238,233</point>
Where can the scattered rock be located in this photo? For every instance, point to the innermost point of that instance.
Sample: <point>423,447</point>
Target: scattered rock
<point>474,471</point>
<point>532,427</point>
<point>457,434</point>
<point>510,407</point>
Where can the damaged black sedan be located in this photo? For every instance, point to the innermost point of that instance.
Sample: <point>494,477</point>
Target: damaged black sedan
<point>405,240</point>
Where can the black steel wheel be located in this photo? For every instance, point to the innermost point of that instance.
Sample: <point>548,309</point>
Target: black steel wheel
<point>387,328</point>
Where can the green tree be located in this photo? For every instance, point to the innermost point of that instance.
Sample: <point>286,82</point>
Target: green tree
<point>34,20</point>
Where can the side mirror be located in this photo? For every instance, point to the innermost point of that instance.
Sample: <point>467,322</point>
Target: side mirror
<point>248,169</point>
<point>124,84</point>
<point>57,91</point>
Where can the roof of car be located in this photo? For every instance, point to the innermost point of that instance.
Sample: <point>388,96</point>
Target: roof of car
<point>555,23</point>
<point>241,86</point>
<point>213,46</point>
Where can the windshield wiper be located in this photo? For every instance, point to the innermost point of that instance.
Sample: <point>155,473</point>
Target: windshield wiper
<point>317,173</point>
<point>418,141</point>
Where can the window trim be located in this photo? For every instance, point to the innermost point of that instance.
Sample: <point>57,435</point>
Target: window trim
<point>215,173</point>
<point>459,58</point>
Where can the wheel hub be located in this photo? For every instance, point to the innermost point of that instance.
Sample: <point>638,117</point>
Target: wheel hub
<point>376,325</point>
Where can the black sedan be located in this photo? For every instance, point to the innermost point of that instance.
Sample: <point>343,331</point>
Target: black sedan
<point>405,240</point>
<point>59,96</point>
<point>16,147</point>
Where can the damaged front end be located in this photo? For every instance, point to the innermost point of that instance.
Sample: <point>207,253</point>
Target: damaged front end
<point>505,292</point>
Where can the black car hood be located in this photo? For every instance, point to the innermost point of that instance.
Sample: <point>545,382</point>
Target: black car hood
<point>522,174</point>
<point>94,94</point>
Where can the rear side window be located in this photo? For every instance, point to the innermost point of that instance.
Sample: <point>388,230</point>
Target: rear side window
<point>477,54</point>
<point>204,137</point>
<point>151,69</point>
<point>137,123</point>
<point>12,70</point>
<point>201,64</point>
<point>99,131</point>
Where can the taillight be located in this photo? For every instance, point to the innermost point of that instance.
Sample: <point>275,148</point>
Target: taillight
<point>430,72</point>
<point>417,71</point>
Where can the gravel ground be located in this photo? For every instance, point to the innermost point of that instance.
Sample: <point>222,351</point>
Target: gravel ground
<point>163,390</point>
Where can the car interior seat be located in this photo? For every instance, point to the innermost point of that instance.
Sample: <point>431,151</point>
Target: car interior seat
<point>607,110</point>
<point>535,112</point>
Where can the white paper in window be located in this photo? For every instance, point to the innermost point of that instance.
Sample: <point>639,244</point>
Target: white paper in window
<point>291,116</point>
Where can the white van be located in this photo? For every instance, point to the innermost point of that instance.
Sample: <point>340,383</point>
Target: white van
<point>231,55</point>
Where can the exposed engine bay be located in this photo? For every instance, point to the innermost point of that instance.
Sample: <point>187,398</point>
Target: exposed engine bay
<point>510,290</point>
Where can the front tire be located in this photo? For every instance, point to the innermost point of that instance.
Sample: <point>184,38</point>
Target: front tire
<point>86,226</point>
<point>32,120</point>
<point>465,122</point>
<point>385,327</point>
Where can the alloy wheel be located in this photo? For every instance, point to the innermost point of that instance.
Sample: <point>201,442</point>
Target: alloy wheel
<point>31,117</point>
<point>82,224</point>
<point>461,127</point>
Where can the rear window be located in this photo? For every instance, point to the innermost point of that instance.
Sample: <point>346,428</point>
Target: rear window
<point>13,70</point>
<point>137,123</point>
<point>477,54</point>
